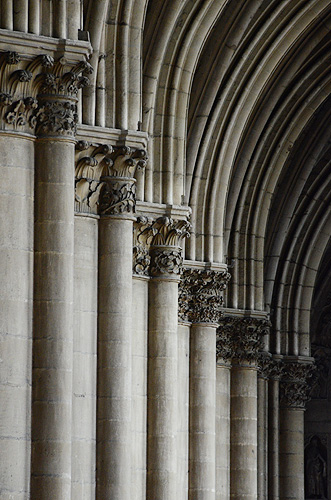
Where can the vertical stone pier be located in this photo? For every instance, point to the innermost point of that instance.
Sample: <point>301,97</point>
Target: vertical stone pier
<point>166,268</point>
<point>16,265</point>
<point>200,292</point>
<point>264,365</point>
<point>57,89</point>
<point>140,269</point>
<point>273,429</point>
<point>294,394</point>
<point>116,208</point>
<point>243,335</point>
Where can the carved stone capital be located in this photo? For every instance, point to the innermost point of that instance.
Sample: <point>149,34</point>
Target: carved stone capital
<point>296,383</point>
<point>269,368</point>
<point>142,238</point>
<point>166,261</point>
<point>56,117</point>
<point>104,178</point>
<point>241,338</point>
<point>40,95</point>
<point>200,295</point>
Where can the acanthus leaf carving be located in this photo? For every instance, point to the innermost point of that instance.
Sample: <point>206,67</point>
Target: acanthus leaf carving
<point>200,295</point>
<point>56,117</point>
<point>166,260</point>
<point>142,237</point>
<point>104,178</point>
<point>166,254</point>
<point>242,338</point>
<point>296,383</point>
<point>29,92</point>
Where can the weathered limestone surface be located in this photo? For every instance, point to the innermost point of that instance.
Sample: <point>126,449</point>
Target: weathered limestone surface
<point>16,263</point>
<point>183,410</point>
<point>139,386</point>
<point>84,397</point>
<point>53,320</point>
<point>114,360</point>
<point>222,430</point>
<point>202,412</point>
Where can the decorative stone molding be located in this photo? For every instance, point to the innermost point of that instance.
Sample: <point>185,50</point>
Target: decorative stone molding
<point>241,338</point>
<point>156,246</point>
<point>264,364</point>
<point>165,251</point>
<point>104,178</point>
<point>200,295</point>
<point>296,383</point>
<point>40,95</point>
<point>142,238</point>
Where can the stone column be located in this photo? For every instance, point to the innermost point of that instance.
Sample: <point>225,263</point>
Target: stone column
<point>116,207</point>
<point>16,291</point>
<point>141,265</point>
<point>200,292</point>
<point>244,337</point>
<point>56,118</point>
<point>166,268</point>
<point>294,393</point>
<point>264,366</point>
<point>85,336</point>
<point>223,368</point>
<point>273,429</point>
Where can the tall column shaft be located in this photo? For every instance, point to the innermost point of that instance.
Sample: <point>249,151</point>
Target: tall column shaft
<point>262,437</point>
<point>162,389</point>
<point>53,320</point>
<point>16,270</point>
<point>273,440</point>
<point>84,359</point>
<point>294,393</point>
<point>291,442</point>
<point>114,359</point>
<point>202,412</point>
<point>241,339</point>
<point>223,430</point>
<point>183,410</point>
<point>200,301</point>
<point>243,432</point>
<point>139,387</point>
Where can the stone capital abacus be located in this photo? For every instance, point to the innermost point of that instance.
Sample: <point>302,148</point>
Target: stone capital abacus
<point>296,383</point>
<point>200,295</point>
<point>241,338</point>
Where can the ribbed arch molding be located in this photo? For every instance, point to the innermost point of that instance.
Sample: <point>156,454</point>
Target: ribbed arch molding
<point>224,144</point>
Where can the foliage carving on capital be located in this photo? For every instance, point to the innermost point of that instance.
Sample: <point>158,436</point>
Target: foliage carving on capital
<point>296,384</point>
<point>142,238</point>
<point>200,295</point>
<point>165,250</point>
<point>40,95</point>
<point>269,368</point>
<point>241,338</point>
<point>104,178</point>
